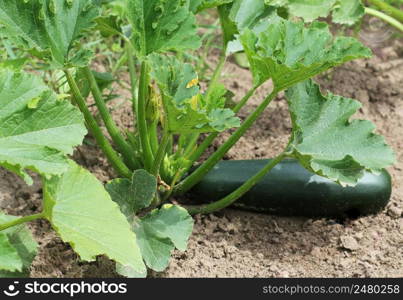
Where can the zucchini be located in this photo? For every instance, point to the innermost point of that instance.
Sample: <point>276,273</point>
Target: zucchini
<point>291,190</point>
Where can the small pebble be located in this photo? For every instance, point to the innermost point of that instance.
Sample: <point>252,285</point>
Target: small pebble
<point>395,212</point>
<point>349,243</point>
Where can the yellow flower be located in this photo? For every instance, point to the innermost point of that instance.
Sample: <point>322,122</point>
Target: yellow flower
<point>193,82</point>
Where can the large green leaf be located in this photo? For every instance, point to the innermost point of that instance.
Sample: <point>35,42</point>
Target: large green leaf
<point>344,11</point>
<point>83,214</point>
<point>9,258</point>
<point>310,10</point>
<point>348,12</point>
<point>186,109</point>
<point>157,233</point>
<point>47,27</point>
<point>327,142</point>
<point>243,14</point>
<point>255,15</point>
<point>109,25</point>
<point>36,129</point>
<point>288,52</point>
<point>160,25</point>
<point>160,232</point>
<point>17,249</point>
<point>135,194</point>
<point>156,251</point>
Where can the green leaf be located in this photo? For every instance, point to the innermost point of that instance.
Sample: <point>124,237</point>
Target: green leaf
<point>14,64</point>
<point>160,26</point>
<point>348,12</point>
<point>173,222</point>
<point>156,251</point>
<point>310,10</point>
<point>20,240</point>
<point>276,3</point>
<point>109,25</point>
<point>249,13</point>
<point>83,214</point>
<point>116,7</point>
<point>47,27</point>
<point>289,52</point>
<point>244,14</point>
<point>228,26</point>
<point>37,131</point>
<point>344,11</point>
<point>173,164</point>
<point>135,194</point>
<point>186,109</point>
<point>9,258</point>
<point>241,60</point>
<point>327,142</point>
<point>160,232</point>
<point>199,5</point>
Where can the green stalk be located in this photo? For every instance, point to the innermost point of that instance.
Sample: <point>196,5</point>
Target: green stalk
<point>196,154</point>
<point>159,157</point>
<point>170,145</point>
<point>388,9</point>
<point>141,114</point>
<point>121,61</point>
<point>21,220</point>
<point>96,131</point>
<point>133,78</point>
<point>190,147</point>
<point>245,99</point>
<point>395,23</point>
<point>200,172</point>
<point>153,132</point>
<point>174,181</point>
<point>110,125</point>
<point>239,192</point>
<point>217,73</point>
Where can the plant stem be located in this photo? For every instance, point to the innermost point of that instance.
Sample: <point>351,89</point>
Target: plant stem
<point>121,61</point>
<point>133,78</point>
<point>110,125</point>
<point>96,131</point>
<point>196,154</point>
<point>153,132</point>
<point>141,114</point>
<point>21,220</point>
<point>159,157</point>
<point>200,172</point>
<point>388,19</point>
<point>388,9</point>
<point>239,192</point>
<point>217,73</point>
<point>174,181</point>
<point>245,99</point>
<point>190,147</point>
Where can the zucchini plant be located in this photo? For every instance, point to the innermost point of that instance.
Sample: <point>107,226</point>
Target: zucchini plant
<point>131,219</point>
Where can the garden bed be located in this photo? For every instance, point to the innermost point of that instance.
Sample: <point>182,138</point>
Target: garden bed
<point>233,243</point>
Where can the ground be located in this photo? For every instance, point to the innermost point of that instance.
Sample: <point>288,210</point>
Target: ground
<point>234,243</point>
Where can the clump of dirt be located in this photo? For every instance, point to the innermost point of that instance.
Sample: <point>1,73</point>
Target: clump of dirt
<point>234,243</point>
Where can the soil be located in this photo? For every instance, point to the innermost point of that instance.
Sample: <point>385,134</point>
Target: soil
<point>235,243</point>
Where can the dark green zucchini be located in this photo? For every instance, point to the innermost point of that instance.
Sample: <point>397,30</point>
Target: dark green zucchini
<point>291,190</point>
